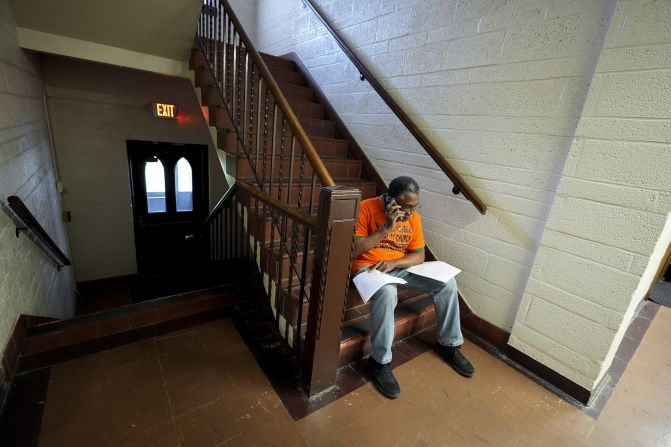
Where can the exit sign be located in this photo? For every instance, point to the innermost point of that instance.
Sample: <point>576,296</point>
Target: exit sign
<point>160,110</point>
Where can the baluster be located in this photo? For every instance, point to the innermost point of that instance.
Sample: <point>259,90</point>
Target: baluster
<point>282,153</point>
<point>293,257</point>
<point>273,144</point>
<point>266,251</point>
<point>217,70</point>
<point>259,119</point>
<point>303,281</point>
<point>253,211</point>
<point>221,237</point>
<point>280,269</point>
<point>301,174</point>
<point>229,232</point>
<point>229,66</point>
<point>205,25</point>
<point>213,238</point>
<point>252,96</point>
<point>265,133</point>
<point>291,168</point>
<point>213,23</point>
<point>209,31</point>
<point>239,93</point>
<point>214,36</point>
<point>234,230</point>
<point>224,245</point>
<point>272,158</point>
<point>312,192</point>
<point>210,239</point>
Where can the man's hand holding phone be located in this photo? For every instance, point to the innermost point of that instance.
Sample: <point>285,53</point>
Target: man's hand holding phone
<point>392,214</point>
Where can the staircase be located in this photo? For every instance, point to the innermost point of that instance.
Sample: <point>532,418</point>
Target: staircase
<point>345,162</point>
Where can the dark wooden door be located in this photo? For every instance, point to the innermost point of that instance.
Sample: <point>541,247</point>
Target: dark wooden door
<point>169,195</point>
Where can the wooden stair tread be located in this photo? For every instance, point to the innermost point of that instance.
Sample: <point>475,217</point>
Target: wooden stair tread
<point>271,60</point>
<point>362,329</point>
<point>308,184</point>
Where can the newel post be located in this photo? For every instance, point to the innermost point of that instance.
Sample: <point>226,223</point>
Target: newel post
<point>338,207</point>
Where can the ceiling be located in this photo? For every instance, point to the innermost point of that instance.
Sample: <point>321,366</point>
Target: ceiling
<point>164,28</point>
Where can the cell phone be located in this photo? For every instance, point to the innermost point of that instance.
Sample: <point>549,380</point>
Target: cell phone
<point>386,200</point>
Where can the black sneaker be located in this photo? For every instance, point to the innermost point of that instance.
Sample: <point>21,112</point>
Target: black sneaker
<point>383,378</point>
<point>456,359</point>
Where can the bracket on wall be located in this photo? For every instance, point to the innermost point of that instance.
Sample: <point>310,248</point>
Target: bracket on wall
<point>26,223</point>
<point>456,190</point>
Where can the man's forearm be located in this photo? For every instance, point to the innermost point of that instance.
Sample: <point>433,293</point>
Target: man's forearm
<point>364,243</point>
<point>409,260</point>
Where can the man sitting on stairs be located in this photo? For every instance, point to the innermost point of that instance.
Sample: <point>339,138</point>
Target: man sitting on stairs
<point>389,238</point>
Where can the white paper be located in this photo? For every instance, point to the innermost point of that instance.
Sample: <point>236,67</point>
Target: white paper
<point>370,281</point>
<point>438,270</point>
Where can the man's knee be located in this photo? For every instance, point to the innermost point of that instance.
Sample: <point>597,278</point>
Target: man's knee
<point>386,296</point>
<point>448,289</point>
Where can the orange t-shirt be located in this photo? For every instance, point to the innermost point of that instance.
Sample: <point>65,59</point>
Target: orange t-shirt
<point>406,235</point>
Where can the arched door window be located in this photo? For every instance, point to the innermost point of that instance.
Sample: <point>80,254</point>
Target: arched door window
<point>154,175</point>
<point>183,185</point>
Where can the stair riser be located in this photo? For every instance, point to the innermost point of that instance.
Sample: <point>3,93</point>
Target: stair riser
<point>307,109</point>
<point>287,76</point>
<point>228,142</point>
<point>367,191</point>
<point>210,96</point>
<point>301,108</point>
<point>273,265</point>
<point>274,61</point>
<point>219,118</point>
<point>337,168</point>
<point>260,225</point>
<point>288,308</point>
<point>204,77</point>
<point>318,128</point>
<point>297,92</point>
<point>351,351</point>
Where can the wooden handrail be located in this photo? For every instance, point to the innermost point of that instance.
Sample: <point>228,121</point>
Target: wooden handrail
<point>299,132</point>
<point>278,206</point>
<point>217,208</point>
<point>459,182</point>
<point>25,222</point>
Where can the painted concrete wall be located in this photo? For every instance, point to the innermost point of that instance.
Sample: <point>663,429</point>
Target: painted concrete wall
<point>128,32</point>
<point>605,237</point>
<point>573,164</point>
<point>94,109</point>
<point>498,87</point>
<point>246,11</point>
<point>29,281</point>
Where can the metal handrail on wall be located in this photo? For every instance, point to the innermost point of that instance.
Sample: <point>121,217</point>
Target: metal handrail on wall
<point>26,223</point>
<point>459,183</point>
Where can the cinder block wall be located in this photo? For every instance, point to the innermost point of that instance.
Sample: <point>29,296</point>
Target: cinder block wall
<point>605,237</point>
<point>497,86</point>
<point>29,281</point>
<point>569,157</point>
<point>245,10</point>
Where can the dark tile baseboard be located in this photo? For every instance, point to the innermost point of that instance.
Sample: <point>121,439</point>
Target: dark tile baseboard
<point>62,341</point>
<point>590,402</point>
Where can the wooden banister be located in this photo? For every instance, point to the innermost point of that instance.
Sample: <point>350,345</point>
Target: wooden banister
<point>459,182</point>
<point>25,222</point>
<point>290,116</point>
<point>279,206</point>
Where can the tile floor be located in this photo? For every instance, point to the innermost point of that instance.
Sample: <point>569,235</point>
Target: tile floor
<point>201,387</point>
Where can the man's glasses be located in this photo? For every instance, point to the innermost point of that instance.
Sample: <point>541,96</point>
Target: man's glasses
<point>409,209</point>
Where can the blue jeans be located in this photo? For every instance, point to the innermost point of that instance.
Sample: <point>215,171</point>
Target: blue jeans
<point>384,301</point>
